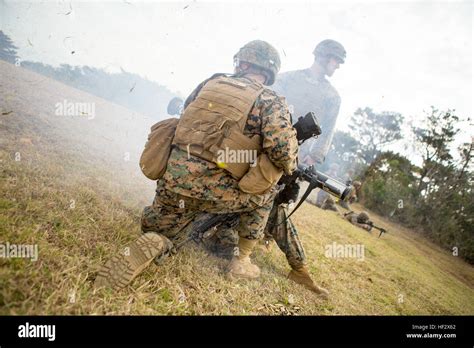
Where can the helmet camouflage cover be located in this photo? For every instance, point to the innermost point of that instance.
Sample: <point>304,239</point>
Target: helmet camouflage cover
<point>261,54</point>
<point>327,48</point>
<point>363,217</point>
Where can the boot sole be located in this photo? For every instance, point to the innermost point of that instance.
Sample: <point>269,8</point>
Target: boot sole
<point>120,271</point>
<point>316,289</point>
<point>235,277</point>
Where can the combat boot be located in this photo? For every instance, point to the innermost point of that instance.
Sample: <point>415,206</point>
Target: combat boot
<point>301,276</point>
<point>240,266</point>
<point>119,271</point>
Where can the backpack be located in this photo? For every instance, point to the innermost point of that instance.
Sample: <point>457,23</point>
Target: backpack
<point>157,150</point>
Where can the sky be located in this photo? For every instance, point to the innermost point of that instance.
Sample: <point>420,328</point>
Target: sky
<point>401,56</point>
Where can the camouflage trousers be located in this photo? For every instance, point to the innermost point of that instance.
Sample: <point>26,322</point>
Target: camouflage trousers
<point>170,213</point>
<point>285,235</point>
<point>282,230</point>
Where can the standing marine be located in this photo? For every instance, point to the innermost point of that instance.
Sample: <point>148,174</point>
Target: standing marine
<point>306,90</point>
<point>310,90</point>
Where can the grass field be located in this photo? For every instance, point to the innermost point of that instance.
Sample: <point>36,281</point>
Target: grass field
<point>80,209</point>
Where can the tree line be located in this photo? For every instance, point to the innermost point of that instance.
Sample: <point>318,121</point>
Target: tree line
<point>435,198</point>
<point>129,90</point>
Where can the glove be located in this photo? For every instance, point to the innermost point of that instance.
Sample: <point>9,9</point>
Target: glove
<point>289,193</point>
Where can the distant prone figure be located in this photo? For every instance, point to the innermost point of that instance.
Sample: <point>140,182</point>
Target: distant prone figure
<point>329,204</point>
<point>361,220</point>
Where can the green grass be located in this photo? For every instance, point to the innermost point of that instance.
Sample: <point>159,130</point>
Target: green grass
<point>401,273</point>
<point>81,206</point>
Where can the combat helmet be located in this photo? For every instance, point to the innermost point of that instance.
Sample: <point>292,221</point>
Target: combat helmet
<point>261,54</point>
<point>357,184</point>
<point>174,106</point>
<point>363,217</point>
<point>328,48</point>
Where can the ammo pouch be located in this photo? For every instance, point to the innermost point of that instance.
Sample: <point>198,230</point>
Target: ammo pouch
<point>260,178</point>
<point>212,126</point>
<point>157,150</point>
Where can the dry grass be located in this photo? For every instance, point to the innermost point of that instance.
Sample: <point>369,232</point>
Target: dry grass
<point>81,209</point>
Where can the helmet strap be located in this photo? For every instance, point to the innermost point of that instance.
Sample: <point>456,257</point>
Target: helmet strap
<point>252,69</point>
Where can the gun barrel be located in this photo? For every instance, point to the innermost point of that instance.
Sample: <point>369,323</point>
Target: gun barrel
<point>325,182</point>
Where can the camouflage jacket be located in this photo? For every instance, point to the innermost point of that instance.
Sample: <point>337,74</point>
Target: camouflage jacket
<point>308,94</point>
<point>194,177</point>
<point>352,218</point>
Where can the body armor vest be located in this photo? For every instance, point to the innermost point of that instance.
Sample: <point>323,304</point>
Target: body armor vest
<point>213,124</point>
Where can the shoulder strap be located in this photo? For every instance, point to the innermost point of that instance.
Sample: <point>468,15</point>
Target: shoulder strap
<point>196,91</point>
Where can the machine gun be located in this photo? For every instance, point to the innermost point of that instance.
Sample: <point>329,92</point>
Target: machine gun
<point>317,179</point>
<point>206,225</point>
<point>382,230</point>
<point>307,126</point>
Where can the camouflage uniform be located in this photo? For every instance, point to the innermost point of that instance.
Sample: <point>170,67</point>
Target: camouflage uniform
<point>192,185</point>
<point>224,241</point>
<point>355,219</point>
<point>236,110</point>
<point>286,236</point>
<point>305,94</point>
